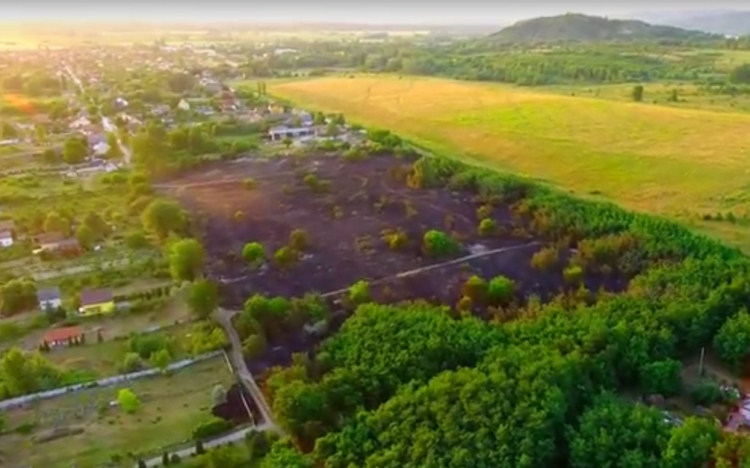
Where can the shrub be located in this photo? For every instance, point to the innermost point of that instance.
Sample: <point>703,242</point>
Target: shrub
<point>464,305</point>
<point>396,240</point>
<point>545,259</point>
<point>213,427</point>
<point>359,292</point>
<point>706,393</point>
<point>475,288</point>
<point>487,227</point>
<point>298,240</point>
<point>316,184</point>
<point>285,257</point>
<point>437,243</point>
<point>484,211</point>
<point>128,400</point>
<point>253,253</point>
<point>175,458</point>
<point>249,183</point>
<point>500,290</point>
<point>573,274</point>
<point>132,362</point>
<point>661,377</point>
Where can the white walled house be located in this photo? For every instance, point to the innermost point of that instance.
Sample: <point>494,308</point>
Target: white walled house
<point>6,238</point>
<point>49,299</point>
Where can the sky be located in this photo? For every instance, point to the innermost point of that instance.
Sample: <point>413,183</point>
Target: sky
<point>359,11</point>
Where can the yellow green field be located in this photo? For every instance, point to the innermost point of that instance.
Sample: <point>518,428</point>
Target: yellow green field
<point>677,162</point>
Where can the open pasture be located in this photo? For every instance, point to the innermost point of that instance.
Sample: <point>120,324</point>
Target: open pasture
<point>678,162</point>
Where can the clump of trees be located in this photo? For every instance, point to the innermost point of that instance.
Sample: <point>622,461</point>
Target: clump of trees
<point>17,295</point>
<point>186,259</point>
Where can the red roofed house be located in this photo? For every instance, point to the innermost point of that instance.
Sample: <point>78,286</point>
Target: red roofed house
<point>63,336</point>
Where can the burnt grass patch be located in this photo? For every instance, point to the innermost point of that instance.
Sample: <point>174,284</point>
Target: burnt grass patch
<point>349,212</point>
<point>346,210</point>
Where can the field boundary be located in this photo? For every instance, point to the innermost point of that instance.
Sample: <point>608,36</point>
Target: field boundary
<point>105,382</point>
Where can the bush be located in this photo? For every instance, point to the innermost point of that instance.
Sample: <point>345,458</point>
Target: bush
<point>175,459</point>
<point>706,393</point>
<point>661,377</point>
<point>285,257</point>
<point>438,244</point>
<point>487,227</point>
<point>253,253</point>
<point>573,274</point>
<point>359,292</point>
<point>211,428</point>
<point>132,362</point>
<point>484,211</point>
<point>546,259</point>
<point>475,288</point>
<point>298,240</point>
<point>396,240</point>
<point>249,183</point>
<point>500,290</point>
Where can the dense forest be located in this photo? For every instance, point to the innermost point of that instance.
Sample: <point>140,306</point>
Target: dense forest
<point>418,385</point>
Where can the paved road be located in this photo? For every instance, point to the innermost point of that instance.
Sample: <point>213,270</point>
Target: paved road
<point>106,122</point>
<point>224,318</point>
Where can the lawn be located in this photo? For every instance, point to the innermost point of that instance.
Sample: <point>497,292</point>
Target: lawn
<point>681,163</point>
<point>171,407</point>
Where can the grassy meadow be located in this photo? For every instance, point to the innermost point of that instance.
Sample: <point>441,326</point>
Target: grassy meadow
<point>678,162</point>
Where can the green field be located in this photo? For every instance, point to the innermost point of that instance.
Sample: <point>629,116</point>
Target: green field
<point>171,408</point>
<point>678,162</point>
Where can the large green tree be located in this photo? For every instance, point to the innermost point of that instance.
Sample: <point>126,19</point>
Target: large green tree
<point>163,218</point>
<point>203,298</point>
<point>187,258</point>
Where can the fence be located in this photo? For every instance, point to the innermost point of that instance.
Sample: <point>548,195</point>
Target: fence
<point>106,382</point>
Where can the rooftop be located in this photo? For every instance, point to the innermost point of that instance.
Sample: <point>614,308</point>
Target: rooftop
<point>48,294</point>
<point>96,296</point>
<point>62,334</point>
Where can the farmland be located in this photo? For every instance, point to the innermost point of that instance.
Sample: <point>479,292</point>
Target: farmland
<point>686,164</point>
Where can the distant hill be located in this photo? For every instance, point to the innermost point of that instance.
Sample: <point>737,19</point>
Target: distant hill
<point>575,27</point>
<point>732,23</point>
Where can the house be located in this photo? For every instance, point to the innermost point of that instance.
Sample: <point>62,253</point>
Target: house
<point>7,232</point>
<point>183,105</point>
<point>6,238</point>
<point>101,148</point>
<point>282,132</point>
<point>63,336</point>
<point>55,242</point>
<point>49,299</point>
<point>97,301</point>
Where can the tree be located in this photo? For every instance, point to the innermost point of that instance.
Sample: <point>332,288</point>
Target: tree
<point>254,345</point>
<point>287,142</point>
<point>740,74</point>
<point>500,290</point>
<point>165,460</point>
<point>98,226</point>
<point>691,443</point>
<point>128,400</point>
<point>203,298</point>
<point>160,359</point>
<point>199,450</point>
<point>16,296</point>
<point>475,288</point>
<point>298,240</point>
<point>54,222</point>
<point>75,151</point>
<point>186,259</point>
<point>162,218</point>
<point>253,253</point>
<point>619,435</point>
<point>285,257</point>
<point>437,243</point>
<point>732,341</point>
<point>114,151</point>
<point>319,119</point>
<point>359,292</point>
<point>9,131</point>
<point>638,93</point>
<point>661,377</point>
<point>487,227</point>
<point>85,236</point>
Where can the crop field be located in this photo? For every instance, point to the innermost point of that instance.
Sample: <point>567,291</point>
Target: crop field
<point>171,407</point>
<point>686,164</point>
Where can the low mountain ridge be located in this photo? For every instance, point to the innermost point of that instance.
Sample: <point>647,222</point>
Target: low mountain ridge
<point>734,23</point>
<point>576,27</point>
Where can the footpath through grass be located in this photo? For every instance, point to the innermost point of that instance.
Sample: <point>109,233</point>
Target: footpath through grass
<point>677,162</point>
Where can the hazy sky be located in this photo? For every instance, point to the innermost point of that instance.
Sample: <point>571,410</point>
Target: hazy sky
<point>369,11</point>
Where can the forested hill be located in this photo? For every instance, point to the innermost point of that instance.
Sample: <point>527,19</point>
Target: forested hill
<point>574,27</point>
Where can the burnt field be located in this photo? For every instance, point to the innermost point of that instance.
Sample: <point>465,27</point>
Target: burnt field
<point>346,210</point>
